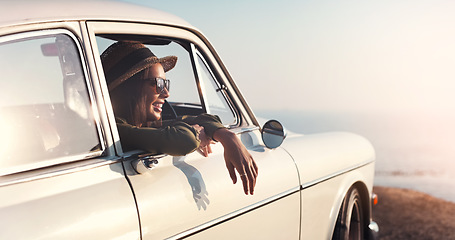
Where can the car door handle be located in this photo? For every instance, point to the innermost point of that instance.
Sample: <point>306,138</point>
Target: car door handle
<point>145,163</point>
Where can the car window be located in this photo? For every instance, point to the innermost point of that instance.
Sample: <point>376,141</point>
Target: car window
<point>193,87</point>
<point>183,88</point>
<point>45,109</point>
<point>216,99</point>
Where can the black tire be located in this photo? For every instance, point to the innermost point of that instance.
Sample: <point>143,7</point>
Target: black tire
<point>350,221</point>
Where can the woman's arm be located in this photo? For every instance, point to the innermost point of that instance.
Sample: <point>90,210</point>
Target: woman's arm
<point>237,157</point>
<point>211,123</point>
<point>181,138</point>
<point>177,140</point>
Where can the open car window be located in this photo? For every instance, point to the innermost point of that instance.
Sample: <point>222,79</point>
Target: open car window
<point>193,86</point>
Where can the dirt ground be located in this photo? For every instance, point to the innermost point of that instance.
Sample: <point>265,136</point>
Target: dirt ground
<point>407,214</point>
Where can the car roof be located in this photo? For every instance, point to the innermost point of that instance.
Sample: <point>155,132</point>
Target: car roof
<point>25,12</point>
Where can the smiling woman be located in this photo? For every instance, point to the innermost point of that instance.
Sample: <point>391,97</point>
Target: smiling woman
<point>136,80</point>
<point>139,89</point>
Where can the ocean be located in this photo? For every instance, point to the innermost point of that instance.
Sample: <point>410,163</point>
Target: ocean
<point>413,150</point>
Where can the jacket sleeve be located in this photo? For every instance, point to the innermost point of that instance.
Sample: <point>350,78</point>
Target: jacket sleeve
<point>177,140</point>
<point>211,123</point>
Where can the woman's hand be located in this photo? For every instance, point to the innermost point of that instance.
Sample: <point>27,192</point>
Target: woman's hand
<point>204,145</point>
<point>237,157</point>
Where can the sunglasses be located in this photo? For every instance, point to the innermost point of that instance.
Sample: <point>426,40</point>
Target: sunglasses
<point>161,84</point>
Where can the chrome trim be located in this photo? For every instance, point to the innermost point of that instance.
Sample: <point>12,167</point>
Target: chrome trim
<point>196,72</point>
<point>96,117</point>
<point>49,163</point>
<point>240,130</point>
<point>46,173</point>
<point>91,92</point>
<point>234,214</point>
<point>333,175</point>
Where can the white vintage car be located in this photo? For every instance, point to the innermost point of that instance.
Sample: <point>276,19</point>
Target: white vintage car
<point>64,175</point>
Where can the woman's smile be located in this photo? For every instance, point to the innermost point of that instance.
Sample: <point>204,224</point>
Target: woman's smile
<point>158,106</point>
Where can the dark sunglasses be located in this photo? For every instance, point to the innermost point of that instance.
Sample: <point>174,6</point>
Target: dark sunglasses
<point>161,84</point>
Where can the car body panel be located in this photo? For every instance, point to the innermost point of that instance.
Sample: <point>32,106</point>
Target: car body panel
<point>90,202</point>
<point>339,151</point>
<point>15,13</point>
<point>327,197</point>
<point>200,192</point>
<point>278,221</point>
<point>329,164</point>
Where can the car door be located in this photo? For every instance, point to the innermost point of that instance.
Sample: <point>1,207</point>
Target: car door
<point>193,196</point>
<point>59,176</point>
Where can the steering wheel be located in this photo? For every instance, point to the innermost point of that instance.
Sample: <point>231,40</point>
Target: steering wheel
<point>168,111</point>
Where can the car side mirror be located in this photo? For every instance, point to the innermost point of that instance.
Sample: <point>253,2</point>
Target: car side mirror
<point>273,134</point>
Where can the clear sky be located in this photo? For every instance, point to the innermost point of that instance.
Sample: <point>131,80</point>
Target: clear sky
<point>348,55</point>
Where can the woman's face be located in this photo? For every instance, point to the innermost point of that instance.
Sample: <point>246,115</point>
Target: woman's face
<point>154,100</point>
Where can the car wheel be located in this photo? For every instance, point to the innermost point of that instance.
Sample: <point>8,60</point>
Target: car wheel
<point>350,222</point>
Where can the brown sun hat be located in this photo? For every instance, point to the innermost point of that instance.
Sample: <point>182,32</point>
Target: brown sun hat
<point>122,60</point>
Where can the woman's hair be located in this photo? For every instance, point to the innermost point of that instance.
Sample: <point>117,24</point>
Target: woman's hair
<point>129,100</point>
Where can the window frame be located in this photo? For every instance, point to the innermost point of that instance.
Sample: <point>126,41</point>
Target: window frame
<point>195,54</point>
<point>246,120</point>
<point>39,33</point>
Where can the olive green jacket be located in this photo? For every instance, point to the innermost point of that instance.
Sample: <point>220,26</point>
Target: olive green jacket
<point>176,137</point>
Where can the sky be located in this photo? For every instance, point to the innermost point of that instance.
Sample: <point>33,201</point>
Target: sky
<point>367,56</point>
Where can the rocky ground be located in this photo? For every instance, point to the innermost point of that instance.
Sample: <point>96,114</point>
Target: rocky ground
<point>407,214</point>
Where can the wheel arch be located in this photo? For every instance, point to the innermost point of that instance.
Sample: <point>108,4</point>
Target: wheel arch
<point>366,204</point>
<point>365,201</point>
<point>365,197</point>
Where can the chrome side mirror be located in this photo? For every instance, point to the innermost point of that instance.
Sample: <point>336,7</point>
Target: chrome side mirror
<point>273,134</point>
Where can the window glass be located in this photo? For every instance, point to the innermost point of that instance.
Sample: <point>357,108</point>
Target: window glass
<point>214,94</point>
<point>45,111</point>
